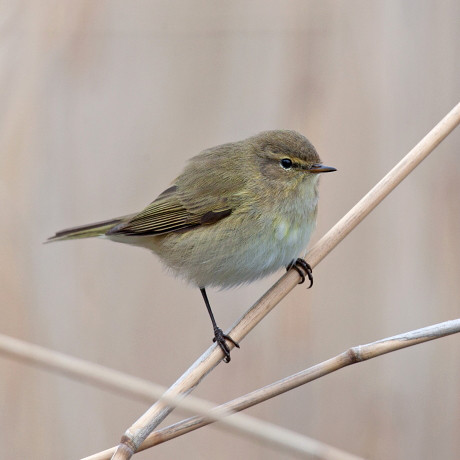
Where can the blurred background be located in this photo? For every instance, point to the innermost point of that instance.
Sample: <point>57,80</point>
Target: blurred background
<point>101,105</point>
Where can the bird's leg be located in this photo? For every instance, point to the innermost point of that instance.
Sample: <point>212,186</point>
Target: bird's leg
<point>302,268</point>
<point>219,336</point>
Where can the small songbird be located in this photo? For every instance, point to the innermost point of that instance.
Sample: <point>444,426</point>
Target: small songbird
<point>238,212</point>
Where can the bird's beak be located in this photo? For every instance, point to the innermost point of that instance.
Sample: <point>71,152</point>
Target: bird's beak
<point>319,168</point>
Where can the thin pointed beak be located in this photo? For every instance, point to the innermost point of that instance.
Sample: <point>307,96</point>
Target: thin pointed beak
<point>321,169</point>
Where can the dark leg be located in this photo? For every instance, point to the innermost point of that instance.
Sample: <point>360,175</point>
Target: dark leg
<point>302,268</point>
<point>219,336</point>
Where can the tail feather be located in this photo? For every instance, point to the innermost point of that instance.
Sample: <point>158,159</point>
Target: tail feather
<point>85,231</point>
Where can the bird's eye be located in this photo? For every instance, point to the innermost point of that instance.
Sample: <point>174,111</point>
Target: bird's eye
<point>286,163</point>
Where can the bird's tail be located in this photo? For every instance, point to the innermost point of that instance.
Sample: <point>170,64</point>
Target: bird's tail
<point>85,231</point>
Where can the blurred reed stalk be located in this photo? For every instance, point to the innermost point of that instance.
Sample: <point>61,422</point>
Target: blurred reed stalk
<point>140,389</point>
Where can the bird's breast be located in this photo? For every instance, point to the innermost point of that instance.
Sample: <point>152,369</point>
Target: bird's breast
<point>295,221</point>
<point>287,232</point>
<point>291,235</point>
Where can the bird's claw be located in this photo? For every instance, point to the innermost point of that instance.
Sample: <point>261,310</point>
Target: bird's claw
<point>303,268</point>
<point>220,338</point>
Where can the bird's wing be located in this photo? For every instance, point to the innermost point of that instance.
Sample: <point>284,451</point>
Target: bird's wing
<point>174,211</point>
<point>212,186</point>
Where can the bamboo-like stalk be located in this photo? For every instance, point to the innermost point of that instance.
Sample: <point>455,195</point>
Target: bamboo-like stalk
<point>146,391</point>
<point>141,389</point>
<point>137,433</point>
<point>351,356</point>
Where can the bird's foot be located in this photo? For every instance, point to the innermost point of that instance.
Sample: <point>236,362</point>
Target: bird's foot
<point>303,268</point>
<point>221,338</point>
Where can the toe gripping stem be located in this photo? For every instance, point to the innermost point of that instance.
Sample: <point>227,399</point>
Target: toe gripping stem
<point>304,269</point>
<point>221,338</point>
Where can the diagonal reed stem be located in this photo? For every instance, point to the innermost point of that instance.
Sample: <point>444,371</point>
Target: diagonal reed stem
<point>351,356</point>
<point>137,433</point>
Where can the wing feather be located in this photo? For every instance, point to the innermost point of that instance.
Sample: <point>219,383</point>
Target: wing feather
<point>168,214</point>
<point>212,187</point>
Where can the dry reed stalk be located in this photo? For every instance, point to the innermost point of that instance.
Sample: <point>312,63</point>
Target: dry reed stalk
<point>137,433</point>
<point>141,389</point>
<point>351,356</point>
<point>146,391</point>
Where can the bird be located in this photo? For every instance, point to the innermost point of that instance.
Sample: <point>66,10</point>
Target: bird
<point>237,213</point>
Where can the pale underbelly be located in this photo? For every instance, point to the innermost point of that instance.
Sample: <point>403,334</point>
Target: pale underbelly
<point>226,259</point>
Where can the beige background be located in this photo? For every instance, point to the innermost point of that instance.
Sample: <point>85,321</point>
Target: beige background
<point>101,105</point>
